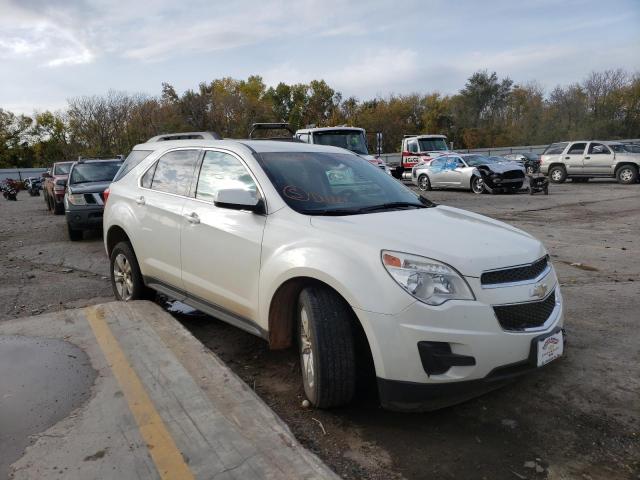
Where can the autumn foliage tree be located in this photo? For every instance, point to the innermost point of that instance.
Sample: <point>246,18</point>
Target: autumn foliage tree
<point>487,111</point>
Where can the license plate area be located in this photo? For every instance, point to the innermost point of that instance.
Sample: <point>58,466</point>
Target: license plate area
<point>547,348</point>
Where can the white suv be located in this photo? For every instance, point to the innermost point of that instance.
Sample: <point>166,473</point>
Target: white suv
<point>312,245</point>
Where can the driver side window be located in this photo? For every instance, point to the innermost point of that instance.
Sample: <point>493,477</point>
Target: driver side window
<point>221,171</point>
<point>413,146</point>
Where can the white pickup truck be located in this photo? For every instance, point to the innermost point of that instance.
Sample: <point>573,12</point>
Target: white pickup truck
<point>351,138</point>
<point>416,149</point>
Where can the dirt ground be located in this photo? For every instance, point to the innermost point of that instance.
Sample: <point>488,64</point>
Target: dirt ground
<point>577,418</point>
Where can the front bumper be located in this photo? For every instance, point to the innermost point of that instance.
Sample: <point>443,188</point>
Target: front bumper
<point>84,217</point>
<point>470,329</point>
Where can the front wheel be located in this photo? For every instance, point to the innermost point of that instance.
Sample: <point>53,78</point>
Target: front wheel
<point>627,174</point>
<point>557,174</point>
<point>477,185</point>
<point>126,278</point>
<point>327,352</point>
<point>423,183</point>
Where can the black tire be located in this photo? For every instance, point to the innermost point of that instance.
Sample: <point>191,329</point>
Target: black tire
<point>477,185</point>
<point>530,170</point>
<point>139,291</point>
<point>74,235</point>
<point>58,208</point>
<point>557,174</point>
<point>627,174</point>
<point>423,183</point>
<point>327,340</point>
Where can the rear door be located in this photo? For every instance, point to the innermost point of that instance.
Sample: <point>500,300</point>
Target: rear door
<point>162,193</point>
<point>221,247</point>
<point>598,160</point>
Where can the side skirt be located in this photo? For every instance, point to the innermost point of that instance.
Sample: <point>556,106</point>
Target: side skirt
<point>207,307</point>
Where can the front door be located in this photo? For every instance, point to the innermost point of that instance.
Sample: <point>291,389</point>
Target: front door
<point>598,160</point>
<point>574,158</point>
<point>221,247</point>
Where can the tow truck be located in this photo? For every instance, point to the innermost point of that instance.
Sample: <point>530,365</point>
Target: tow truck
<point>416,149</point>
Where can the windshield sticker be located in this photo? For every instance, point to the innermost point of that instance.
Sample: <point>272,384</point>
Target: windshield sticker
<point>300,195</point>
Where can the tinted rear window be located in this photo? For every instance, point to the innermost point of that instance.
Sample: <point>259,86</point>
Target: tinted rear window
<point>132,161</point>
<point>62,168</point>
<point>93,172</point>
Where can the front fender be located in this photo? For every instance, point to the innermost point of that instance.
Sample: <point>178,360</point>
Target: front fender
<point>355,273</point>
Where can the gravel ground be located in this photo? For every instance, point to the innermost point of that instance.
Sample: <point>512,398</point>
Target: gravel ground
<point>578,418</point>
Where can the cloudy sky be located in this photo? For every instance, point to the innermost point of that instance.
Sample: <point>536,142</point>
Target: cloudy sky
<point>51,50</point>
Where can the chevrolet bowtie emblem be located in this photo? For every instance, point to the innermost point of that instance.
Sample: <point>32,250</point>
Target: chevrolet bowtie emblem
<point>539,291</point>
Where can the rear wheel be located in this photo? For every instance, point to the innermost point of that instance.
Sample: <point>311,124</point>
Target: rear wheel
<point>557,174</point>
<point>126,278</point>
<point>327,352</point>
<point>627,174</point>
<point>423,183</point>
<point>477,185</point>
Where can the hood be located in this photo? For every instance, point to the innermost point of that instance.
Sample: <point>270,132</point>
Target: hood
<point>505,167</point>
<point>469,242</point>
<point>92,187</point>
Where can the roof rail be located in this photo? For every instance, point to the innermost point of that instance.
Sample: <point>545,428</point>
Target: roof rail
<point>185,136</point>
<point>272,126</point>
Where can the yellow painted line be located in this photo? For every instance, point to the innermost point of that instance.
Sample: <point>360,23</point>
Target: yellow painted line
<point>166,456</point>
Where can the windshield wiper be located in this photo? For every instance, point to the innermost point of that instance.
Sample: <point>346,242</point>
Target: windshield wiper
<point>331,211</point>
<point>391,205</point>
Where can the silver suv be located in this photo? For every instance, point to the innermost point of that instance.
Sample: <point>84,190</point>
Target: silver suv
<point>583,160</point>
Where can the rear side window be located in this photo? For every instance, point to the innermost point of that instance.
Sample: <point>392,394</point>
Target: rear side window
<point>174,172</point>
<point>221,171</point>
<point>555,149</point>
<point>577,149</point>
<point>131,162</point>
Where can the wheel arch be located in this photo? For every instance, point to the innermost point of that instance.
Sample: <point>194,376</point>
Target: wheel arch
<point>625,163</point>
<point>115,235</point>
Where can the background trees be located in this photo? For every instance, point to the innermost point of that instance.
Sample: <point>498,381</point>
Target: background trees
<point>487,111</point>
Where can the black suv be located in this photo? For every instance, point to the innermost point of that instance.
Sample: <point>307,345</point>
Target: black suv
<point>84,198</point>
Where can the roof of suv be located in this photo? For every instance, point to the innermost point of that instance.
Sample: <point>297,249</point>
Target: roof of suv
<point>258,146</point>
<point>327,129</point>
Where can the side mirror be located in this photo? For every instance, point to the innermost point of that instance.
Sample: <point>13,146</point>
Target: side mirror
<point>239,199</point>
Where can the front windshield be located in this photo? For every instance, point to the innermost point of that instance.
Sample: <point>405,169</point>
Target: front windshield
<point>433,145</point>
<point>475,160</point>
<point>62,168</point>
<point>350,139</point>
<point>94,172</point>
<point>316,183</point>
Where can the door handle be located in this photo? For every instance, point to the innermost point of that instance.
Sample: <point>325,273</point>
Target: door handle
<point>567,158</point>
<point>140,200</point>
<point>587,158</point>
<point>192,218</point>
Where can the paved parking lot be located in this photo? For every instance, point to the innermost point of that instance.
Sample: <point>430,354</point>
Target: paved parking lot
<point>578,418</point>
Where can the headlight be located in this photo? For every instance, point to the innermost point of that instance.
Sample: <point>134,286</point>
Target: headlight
<point>77,199</point>
<point>428,280</point>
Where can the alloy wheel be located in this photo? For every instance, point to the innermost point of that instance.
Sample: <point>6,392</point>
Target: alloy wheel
<point>556,175</point>
<point>626,175</point>
<point>122,276</point>
<point>306,351</point>
<point>477,186</point>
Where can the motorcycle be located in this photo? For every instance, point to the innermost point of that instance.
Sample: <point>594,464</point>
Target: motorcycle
<point>10,193</point>
<point>34,188</point>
